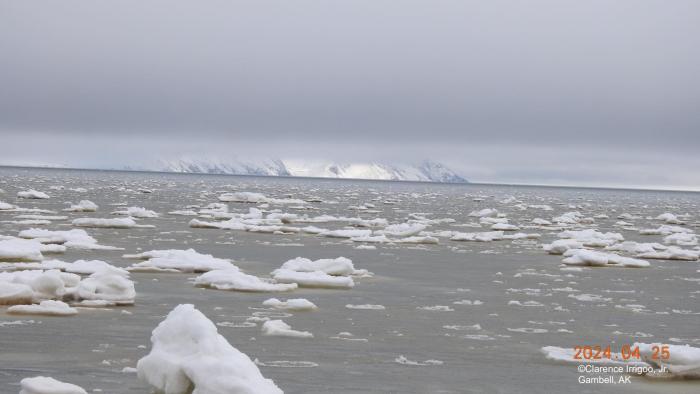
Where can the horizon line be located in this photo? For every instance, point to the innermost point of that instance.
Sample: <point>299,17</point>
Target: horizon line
<point>466,182</point>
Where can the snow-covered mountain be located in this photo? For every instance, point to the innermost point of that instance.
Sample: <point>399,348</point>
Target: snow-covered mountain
<point>426,171</point>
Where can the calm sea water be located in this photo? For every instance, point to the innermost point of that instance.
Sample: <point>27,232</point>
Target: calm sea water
<point>500,355</point>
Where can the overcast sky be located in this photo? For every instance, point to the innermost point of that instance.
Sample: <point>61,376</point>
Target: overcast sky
<point>555,92</point>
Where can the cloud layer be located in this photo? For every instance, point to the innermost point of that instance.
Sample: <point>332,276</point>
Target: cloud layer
<point>594,92</point>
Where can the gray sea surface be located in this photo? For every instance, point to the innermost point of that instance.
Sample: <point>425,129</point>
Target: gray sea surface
<point>92,348</point>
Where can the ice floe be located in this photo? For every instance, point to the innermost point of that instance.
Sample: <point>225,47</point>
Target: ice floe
<point>366,306</point>
<point>32,194</point>
<point>189,354</point>
<point>177,260</point>
<point>74,239</point>
<point>15,249</point>
<point>46,307</point>
<point>401,359</point>
<point>593,258</point>
<point>47,385</point>
<point>278,328</point>
<point>83,206</point>
<point>107,223</point>
<point>292,304</point>
<point>234,279</point>
<point>312,279</point>
<point>136,212</point>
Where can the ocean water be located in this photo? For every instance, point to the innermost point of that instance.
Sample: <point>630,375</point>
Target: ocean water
<point>500,355</point>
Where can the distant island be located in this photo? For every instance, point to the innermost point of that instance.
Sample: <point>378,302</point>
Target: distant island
<point>425,171</point>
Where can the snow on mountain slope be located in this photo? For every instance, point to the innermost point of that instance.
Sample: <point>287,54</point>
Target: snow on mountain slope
<point>220,166</point>
<point>427,171</point>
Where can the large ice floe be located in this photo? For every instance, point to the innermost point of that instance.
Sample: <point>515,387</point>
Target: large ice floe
<point>15,249</point>
<point>108,223</point>
<point>257,198</point>
<point>330,273</point>
<point>136,212</point>
<point>47,385</point>
<point>175,260</point>
<point>32,194</point>
<point>82,206</point>
<point>102,288</point>
<point>46,307</point>
<point>278,328</point>
<point>601,259</point>
<point>234,279</point>
<point>189,356</point>
<point>74,239</point>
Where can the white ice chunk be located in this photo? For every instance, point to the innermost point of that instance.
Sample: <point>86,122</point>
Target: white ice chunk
<point>45,385</point>
<point>32,194</point>
<point>46,307</point>
<point>312,279</point>
<point>279,328</point>
<point>15,249</point>
<point>189,356</point>
<point>178,260</point>
<point>292,304</point>
<point>234,279</point>
<point>82,206</point>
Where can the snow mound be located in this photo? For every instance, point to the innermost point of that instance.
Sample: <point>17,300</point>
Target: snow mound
<point>190,356</point>
<point>44,385</point>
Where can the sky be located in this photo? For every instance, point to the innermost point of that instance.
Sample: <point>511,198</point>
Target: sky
<point>568,92</point>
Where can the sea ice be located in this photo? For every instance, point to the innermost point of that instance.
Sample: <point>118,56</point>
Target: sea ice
<point>46,307</point>
<point>279,328</point>
<point>178,260</point>
<point>82,206</point>
<point>234,279</point>
<point>45,385</point>
<point>136,212</point>
<point>15,249</point>
<point>312,279</point>
<point>292,304</point>
<point>339,266</point>
<point>600,259</point>
<point>32,194</point>
<point>189,356</point>
<point>106,223</point>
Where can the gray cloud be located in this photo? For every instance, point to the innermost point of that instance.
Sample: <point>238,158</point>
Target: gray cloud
<point>611,82</point>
